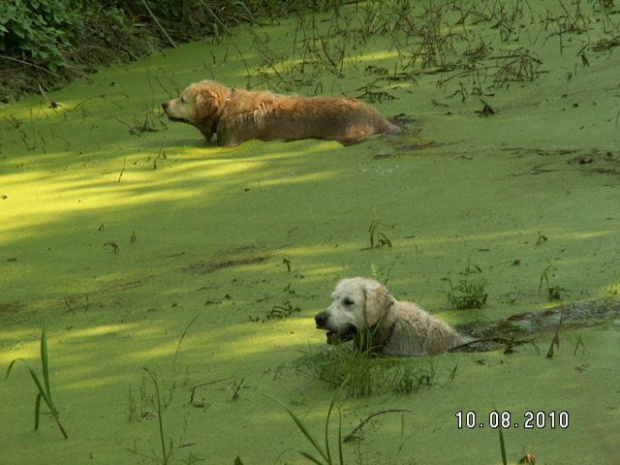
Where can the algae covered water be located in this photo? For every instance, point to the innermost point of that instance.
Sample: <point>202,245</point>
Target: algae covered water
<point>178,281</point>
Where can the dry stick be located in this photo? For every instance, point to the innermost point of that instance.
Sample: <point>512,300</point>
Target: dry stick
<point>28,64</point>
<point>580,343</point>
<point>50,103</point>
<point>153,376</point>
<point>236,393</point>
<point>158,24</point>
<point>185,332</point>
<point>351,435</point>
<point>161,85</point>
<point>217,19</point>
<point>500,340</point>
<point>120,176</point>
<point>176,353</point>
<point>245,63</point>
<point>193,390</point>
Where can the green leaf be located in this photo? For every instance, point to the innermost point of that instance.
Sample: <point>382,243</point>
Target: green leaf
<point>45,363</point>
<point>502,445</point>
<point>37,411</point>
<point>310,457</point>
<point>8,370</point>
<point>340,456</point>
<point>43,388</point>
<point>384,240</point>
<point>304,431</point>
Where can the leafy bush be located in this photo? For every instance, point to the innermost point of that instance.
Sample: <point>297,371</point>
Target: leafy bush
<point>46,43</point>
<point>37,30</point>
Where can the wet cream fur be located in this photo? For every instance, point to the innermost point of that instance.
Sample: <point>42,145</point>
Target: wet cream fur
<point>363,310</point>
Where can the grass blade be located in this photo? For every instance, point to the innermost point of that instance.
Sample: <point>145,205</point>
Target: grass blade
<point>37,411</point>
<point>8,370</point>
<point>45,364</point>
<point>310,457</point>
<point>305,432</point>
<point>162,439</point>
<point>502,445</point>
<point>60,427</point>
<point>329,414</point>
<point>43,388</point>
<point>340,456</point>
<point>325,454</point>
<point>36,379</point>
<point>42,392</point>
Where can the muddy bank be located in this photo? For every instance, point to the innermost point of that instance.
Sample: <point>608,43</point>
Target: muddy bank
<point>529,327</point>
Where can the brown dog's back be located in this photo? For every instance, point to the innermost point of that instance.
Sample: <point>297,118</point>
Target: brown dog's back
<point>240,115</point>
<point>267,116</point>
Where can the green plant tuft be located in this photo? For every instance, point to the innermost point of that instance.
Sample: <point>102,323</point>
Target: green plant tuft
<point>467,294</point>
<point>368,376</point>
<point>159,404</point>
<point>44,387</point>
<point>377,237</point>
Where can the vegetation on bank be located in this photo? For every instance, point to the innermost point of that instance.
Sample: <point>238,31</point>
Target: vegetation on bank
<point>46,43</point>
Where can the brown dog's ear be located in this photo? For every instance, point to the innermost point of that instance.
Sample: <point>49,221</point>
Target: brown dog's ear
<point>378,303</point>
<point>207,107</point>
<point>208,102</point>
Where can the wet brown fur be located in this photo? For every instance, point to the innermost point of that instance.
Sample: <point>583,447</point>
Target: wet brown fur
<point>236,115</point>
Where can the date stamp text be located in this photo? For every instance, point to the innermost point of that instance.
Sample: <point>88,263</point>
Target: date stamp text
<point>505,419</point>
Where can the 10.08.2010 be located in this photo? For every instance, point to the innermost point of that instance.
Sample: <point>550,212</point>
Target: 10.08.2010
<point>505,419</point>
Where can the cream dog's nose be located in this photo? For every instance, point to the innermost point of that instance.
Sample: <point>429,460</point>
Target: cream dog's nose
<point>321,320</point>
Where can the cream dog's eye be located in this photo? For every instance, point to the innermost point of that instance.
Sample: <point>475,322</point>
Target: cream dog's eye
<point>184,99</point>
<point>347,301</point>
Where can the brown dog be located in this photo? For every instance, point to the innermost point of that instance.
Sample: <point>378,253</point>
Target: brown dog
<point>236,115</point>
<point>363,310</point>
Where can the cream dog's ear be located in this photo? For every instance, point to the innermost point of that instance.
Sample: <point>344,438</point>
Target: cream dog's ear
<point>378,303</point>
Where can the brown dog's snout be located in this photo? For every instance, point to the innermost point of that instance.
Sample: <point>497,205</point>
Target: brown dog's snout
<point>321,320</point>
<point>165,105</point>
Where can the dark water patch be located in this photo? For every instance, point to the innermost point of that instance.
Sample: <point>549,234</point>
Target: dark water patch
<point>592,160</point>
<point>12,307</point>
<point>206,267</point>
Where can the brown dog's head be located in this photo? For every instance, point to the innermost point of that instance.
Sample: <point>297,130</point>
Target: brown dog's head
<point>358,305</point>
<point>200,105</point>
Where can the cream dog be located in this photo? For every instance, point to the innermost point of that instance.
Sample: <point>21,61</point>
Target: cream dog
<point>363,310</point>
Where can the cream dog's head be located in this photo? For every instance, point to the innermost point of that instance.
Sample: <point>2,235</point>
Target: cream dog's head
<point>200,105</point>
<point>358,304</point>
